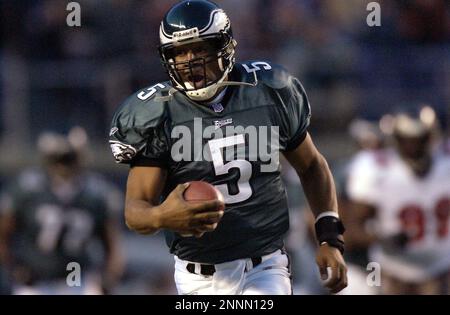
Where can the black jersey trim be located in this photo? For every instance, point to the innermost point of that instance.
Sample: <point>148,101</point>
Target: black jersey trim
<point>296,141</point>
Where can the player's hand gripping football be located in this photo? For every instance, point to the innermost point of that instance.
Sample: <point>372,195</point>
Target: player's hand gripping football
<point>331,257</point>
<point>189,218</point>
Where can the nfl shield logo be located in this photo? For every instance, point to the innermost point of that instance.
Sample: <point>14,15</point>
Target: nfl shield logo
<point>218,108</point>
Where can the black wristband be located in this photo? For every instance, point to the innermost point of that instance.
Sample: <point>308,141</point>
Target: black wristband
<point>330,229</point>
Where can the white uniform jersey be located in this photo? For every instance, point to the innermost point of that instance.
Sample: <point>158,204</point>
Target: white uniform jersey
<point>405,203</point>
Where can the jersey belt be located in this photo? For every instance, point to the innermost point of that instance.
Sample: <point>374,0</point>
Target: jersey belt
<point>209,270</point>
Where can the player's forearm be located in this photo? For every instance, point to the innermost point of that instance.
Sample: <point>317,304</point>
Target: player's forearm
<point>320,191</point>
<point>142,217</point>
<point>318,185</point>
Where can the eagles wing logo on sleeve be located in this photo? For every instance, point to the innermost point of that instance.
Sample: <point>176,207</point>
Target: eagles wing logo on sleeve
<point>122,152</point>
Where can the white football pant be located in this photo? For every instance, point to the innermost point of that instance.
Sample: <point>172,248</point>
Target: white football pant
<point>271,277</point>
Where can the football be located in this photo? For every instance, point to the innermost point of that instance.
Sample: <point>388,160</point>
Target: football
<point>202,191</point>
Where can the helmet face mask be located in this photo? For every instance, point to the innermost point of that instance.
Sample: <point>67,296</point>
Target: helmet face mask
<point>197,48</point>
<point>210,58</point>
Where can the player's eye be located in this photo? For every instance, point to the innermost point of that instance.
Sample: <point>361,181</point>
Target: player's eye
<point>199,50</point>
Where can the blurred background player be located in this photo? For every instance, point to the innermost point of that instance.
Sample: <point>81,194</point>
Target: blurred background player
<point>51,216</point>
<point>401,205</point>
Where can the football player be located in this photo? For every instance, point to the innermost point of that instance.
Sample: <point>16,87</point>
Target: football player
<point>401,206</point>
<point>49,217</point>
<point>204,124</point>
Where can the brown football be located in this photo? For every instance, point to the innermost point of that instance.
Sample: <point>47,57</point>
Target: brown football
<point>202,191</point>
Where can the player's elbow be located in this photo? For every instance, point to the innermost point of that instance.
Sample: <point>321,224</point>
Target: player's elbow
<point>130,223</point>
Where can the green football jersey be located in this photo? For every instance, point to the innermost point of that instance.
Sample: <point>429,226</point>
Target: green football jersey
<point>233,143</point>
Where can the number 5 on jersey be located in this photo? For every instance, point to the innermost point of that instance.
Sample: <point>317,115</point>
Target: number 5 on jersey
<point>220,168</point>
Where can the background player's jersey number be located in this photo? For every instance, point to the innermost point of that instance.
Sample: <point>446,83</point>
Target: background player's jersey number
<point>413,220</point>
<point>222,168</point>
<point>72,227</point>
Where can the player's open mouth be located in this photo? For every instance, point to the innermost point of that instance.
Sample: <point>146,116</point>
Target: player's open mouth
<point>196,78</point>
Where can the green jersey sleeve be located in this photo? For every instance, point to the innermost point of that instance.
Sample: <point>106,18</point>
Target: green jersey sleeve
<point>139,132</point>
<point>292,103</point>
<point>298,112</point>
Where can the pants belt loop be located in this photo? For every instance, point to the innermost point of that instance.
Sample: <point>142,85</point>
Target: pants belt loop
<point>248,265</point>
<point>198,268</point>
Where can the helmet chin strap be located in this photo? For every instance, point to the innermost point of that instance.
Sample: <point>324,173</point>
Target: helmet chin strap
<point>227,83</point>
<point>218,85</point>
<point>172,91</point>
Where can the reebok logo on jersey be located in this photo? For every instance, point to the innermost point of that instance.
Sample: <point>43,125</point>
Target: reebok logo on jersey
<point>224,122</point>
